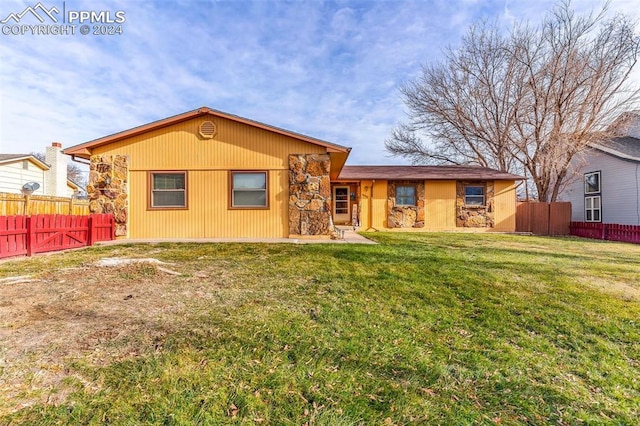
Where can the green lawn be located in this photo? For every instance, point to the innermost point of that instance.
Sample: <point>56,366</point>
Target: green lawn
<point>422,328</point>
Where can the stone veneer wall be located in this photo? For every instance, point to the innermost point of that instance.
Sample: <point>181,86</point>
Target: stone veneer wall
<point>475,217</point>
<point>108,188</point>
<point>310,194</point>
<point>405,216</point>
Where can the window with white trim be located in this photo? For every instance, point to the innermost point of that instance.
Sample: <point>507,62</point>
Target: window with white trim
<point>168,190</point>
<point>593,209</point>
<point>474,195</point>
<point>592,183</point>
<point>249,190</point>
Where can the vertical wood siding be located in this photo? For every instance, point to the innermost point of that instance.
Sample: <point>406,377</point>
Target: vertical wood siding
<point>379,204</point>
<point>236,146</point>
<point>440,205</point>
<point>365,193</point>
<point>505,206</point>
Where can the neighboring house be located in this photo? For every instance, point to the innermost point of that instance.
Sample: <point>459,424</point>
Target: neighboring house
<point>209,174</point>
<point>607,187</point>
<point>16,170</point>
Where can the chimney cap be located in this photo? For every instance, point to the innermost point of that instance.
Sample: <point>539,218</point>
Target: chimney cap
<point>57,144</point>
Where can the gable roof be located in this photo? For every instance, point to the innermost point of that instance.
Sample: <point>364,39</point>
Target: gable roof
<point>12,158</point>
<point>625,147</point>
<point>424,173</point>
<point>83,150</point>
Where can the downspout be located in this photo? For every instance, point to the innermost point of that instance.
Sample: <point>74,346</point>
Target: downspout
<point>73,158</point>
<point>637,193</point>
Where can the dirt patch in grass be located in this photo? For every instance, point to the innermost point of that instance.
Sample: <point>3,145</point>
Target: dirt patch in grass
<point>625,291</point>
<point>93,314</point>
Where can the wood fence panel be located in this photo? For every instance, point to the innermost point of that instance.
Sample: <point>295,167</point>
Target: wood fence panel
<point>20,235</point>
<point>13,236</point>
<point>18,204</point>
<point>606,231</point>
<point>59,232</point>
<point>539,224</point>
<point>12,204</point>
<point>626,233</point>
<point>543,218</point>
<point>559,218</point>
<point>103,227</point>
<point>523,217</point>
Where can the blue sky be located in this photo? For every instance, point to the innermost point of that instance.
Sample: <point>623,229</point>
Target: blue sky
<point>330,70</point>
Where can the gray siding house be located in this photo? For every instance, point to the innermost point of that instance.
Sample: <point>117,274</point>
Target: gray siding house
<point>606,187</point>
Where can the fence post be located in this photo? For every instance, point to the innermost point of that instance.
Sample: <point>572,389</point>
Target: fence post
<point>31,236</point>
<point>91,237</point>
<point>112,222</point>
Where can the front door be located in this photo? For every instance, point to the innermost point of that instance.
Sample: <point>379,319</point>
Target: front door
<point>341,204</point>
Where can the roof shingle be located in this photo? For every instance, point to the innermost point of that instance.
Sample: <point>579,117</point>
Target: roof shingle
<point>624,147</point>
<point>424,173</point>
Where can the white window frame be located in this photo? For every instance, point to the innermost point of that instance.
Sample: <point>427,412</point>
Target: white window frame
<point>152,191</point>
<point>483,196</point>
<point>415,195</point>
<point>589,207</point>
<point>586,184</point>
<point>233,191</point>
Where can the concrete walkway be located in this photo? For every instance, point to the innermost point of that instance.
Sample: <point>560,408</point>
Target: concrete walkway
<point>352,237</point>
<point>349,237</point>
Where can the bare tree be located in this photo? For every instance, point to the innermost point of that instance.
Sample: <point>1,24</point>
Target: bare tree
<point>465,104</point>
<point>526,102</point>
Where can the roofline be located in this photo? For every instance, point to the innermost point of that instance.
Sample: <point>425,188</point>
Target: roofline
<point>479,177</point>
<point>83,148</point>
<point>614,152</point>
<point>29,157</point>
<point>510,176</point>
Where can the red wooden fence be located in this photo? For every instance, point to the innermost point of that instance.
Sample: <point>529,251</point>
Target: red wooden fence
<point>606,231</point>
<point>28,235</point>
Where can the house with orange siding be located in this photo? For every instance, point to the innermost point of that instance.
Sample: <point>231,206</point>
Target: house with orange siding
<point>209,174</point>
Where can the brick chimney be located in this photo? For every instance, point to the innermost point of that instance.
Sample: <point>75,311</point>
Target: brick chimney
<point>56,177</point>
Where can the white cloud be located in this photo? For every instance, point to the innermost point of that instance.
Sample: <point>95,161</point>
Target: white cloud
<point>330,70</point>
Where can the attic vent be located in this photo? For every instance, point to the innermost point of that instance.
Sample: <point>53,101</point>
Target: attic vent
<point>207,129</point>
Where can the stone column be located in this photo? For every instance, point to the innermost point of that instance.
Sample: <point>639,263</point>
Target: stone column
<point>310,195</point>
<point>108,188</point>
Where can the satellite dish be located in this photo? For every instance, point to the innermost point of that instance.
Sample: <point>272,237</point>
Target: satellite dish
<point>29,187</point>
